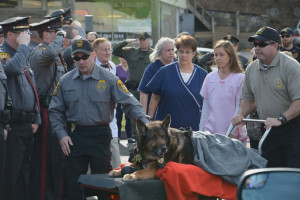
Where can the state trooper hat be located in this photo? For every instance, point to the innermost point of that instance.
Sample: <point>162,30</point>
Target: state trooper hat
<point>265,34</point>
<point>15,24</point>
<point>287,30</point>
<point>66,13</point>
<point>83,46</point>
<point>232,39</point>
<point>47,24</point>
<point>144,35</point>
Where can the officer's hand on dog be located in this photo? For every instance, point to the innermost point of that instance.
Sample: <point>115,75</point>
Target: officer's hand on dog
<point>23,38</point>
<point>65,143</point>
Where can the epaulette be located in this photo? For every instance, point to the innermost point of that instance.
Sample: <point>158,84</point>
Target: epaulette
<point>4,55</point>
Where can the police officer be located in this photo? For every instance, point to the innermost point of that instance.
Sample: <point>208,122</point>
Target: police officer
<point>4,114</point>
<point>85,98</point>
<point>25,115</point>
<point>138,60</point>
<point>65,13</point>
<point>47,63</point>
<point>287,39</point>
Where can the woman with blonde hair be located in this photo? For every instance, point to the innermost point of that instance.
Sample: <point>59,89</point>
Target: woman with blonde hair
<point>222,92</point>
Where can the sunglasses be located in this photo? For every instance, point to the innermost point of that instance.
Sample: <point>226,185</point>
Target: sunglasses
<point>285,36</point>
<point>261,44</point>
<point>84,57</point>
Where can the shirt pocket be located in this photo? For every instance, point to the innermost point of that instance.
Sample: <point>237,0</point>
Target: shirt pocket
<point>71,98</point>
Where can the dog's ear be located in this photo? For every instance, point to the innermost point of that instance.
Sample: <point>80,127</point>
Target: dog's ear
<point>141,127</point>
<point>166,122</point>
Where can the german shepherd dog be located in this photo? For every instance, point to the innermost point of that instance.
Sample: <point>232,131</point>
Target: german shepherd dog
<point>157,144</point>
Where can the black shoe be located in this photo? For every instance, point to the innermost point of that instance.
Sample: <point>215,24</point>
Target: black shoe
<point>131,140</point>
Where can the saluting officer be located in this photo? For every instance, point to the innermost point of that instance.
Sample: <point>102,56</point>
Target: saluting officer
<point>138,60</point>
<point>85,98</point>
<point>25,115</point>
<point>47,63</point>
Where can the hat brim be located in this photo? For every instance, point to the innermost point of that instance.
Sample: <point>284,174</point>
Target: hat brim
<point>82,51</point>
<point>257,37</point>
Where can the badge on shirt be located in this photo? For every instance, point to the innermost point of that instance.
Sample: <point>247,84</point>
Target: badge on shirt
<point>122,86</point>
<point>42,48</point>
<point>278,83</point>
<point>101,85</point>
<point>4,55</point>
<point>56,89</point>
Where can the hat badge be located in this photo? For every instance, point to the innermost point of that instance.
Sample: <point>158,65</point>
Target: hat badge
<point>260,31</point>
<point>79,43</point>
<point>228,37</point>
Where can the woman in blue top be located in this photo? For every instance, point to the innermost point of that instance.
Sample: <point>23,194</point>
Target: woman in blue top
<point>163,54</point>
<point>176,88</point>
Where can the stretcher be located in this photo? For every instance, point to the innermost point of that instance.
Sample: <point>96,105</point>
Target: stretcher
<point>263,138</point>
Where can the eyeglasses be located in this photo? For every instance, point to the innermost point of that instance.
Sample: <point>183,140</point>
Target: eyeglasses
<point>261,44</point>
<point>285,36</point>
<point>91,41</point>
<point>106,50</point>
<point>84,57</point>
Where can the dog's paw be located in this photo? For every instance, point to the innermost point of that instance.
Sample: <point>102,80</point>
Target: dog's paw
<point>115,173</point>
<point>129,177</point>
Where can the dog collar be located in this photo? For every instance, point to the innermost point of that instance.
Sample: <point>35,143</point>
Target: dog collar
<point>161,163</point>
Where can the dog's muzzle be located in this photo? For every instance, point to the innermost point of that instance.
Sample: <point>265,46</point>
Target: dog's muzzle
<point>160,151</point>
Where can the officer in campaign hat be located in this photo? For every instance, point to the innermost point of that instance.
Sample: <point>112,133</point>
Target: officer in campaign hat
<point>85,98</point>
<point>287,43</point>
<point>25,116</point>
<point>65,13</point>
<point>48,65</point>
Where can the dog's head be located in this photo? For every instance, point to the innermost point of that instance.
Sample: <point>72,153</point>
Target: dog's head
<point>153,138</point>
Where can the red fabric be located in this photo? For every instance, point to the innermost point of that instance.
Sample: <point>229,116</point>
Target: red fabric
<point>184,181</point>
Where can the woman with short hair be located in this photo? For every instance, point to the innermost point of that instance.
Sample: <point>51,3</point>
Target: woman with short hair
<point>176,88</point>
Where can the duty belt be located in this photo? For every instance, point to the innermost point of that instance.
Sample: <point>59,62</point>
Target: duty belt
<point>5,116</point>
<point>21,116</point>
<point>71,126</point>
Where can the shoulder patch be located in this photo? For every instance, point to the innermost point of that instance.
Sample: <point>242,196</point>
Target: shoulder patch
<point>42,48</point>
<point>121,85</point>
<point>126,48</point>
<point>4,55</point>
<point>56,89</point>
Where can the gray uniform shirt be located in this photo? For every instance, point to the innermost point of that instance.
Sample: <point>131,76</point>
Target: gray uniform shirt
<point>19,88</point>
<point>91,101</point>
<point>46,65</point>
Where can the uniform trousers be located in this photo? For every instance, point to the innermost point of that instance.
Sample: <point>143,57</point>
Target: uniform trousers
<point>46,178</point>
<point>119,116</point>
<point>91,146</point>
<point>282,146</point>
<point>18,149</point>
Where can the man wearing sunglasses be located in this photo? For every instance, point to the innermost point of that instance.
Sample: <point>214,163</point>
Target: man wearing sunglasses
<point>24,108</point>
<point>272,84</point>
<point>287,39</point>
<point>48,67</point>
<point>85,98</point>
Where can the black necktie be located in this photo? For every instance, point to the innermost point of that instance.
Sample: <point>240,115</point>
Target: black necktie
<point>105,66</point>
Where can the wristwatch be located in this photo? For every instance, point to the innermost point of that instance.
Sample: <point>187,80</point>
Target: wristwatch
<point>282,119</point>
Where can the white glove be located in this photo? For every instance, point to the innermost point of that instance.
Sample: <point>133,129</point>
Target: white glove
<point>23,38</point>
<point>62,33</point>
<point>77,37</point>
